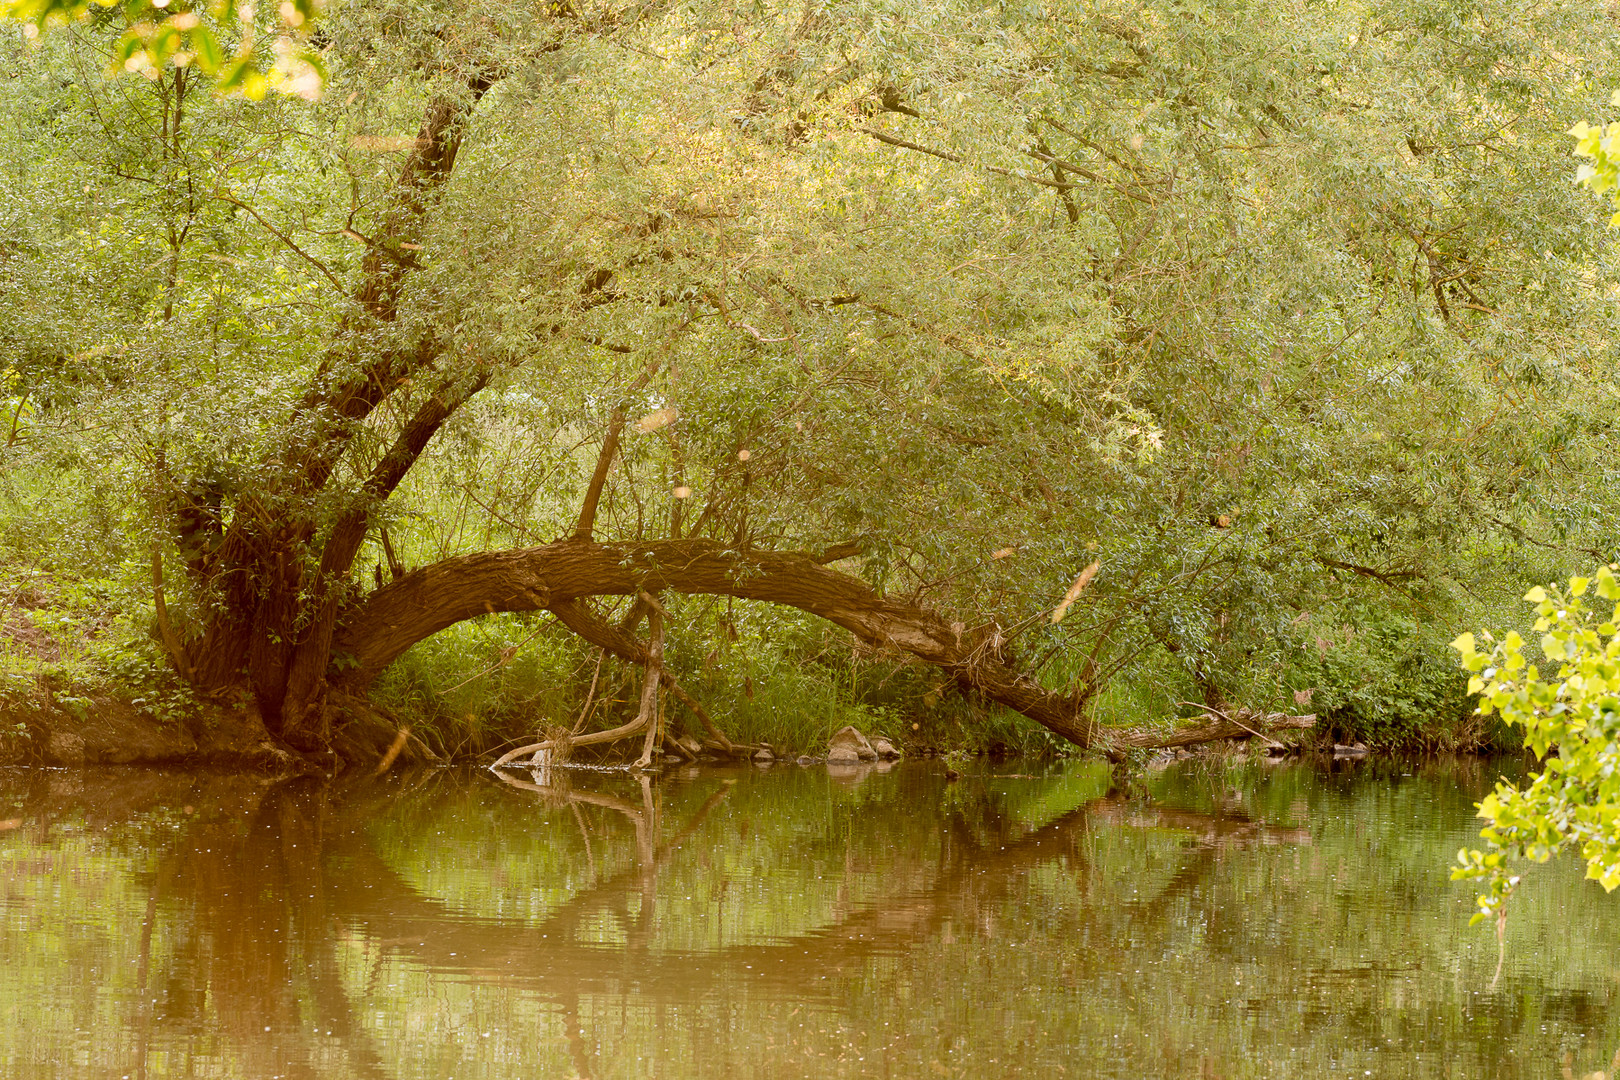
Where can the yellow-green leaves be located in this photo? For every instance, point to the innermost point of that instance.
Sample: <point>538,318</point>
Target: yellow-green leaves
<point>1607,586</point>
<point>1575,801</point>
<point>161,35</point>
<point>1601,145</point>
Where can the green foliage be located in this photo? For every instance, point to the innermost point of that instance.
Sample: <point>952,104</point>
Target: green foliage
<point>1574,803</point>
<point>487,681</point>
<point>218,38</point>
<point>1387,681</point>
<point>1203,294</point>
<point>1601,146</point>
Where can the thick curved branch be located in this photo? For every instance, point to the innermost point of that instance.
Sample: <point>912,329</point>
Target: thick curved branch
<point>428,600</point>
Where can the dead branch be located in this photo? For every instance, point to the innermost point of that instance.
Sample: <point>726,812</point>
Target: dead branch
<point>618,641</point>
<point>604,459</point>
<point>590,695</point>
<point>595,738</point>
<point>1218,725</point>
<point>648,716</point>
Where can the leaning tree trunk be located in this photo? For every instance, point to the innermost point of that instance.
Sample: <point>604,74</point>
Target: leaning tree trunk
<point>277,576</point>
<point>557,576</point>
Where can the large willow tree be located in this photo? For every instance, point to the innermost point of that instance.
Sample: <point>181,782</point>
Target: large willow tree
<point>903,315</point>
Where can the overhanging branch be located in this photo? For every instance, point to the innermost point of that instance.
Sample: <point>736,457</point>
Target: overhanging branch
<point>432,598</point>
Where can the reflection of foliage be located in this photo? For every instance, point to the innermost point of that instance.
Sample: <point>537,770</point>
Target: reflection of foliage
<point>1005,924</point>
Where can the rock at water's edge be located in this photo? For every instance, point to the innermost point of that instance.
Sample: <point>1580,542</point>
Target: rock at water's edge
<point>885,749</point>
<point>849,738</point>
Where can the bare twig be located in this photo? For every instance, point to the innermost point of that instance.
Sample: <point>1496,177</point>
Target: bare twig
<point>226,196</point>
<point>590,695</point>
<point>507,655</point>
<point>604,460</point>
<point>945,155</point>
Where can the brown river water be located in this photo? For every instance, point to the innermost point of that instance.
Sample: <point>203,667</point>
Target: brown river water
<point>1030,919</point>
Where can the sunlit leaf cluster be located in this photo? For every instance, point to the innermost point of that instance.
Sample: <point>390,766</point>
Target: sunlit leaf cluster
<point>223,39</point>
<point>1572,714</point>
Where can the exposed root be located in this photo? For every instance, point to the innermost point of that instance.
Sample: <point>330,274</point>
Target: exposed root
<point>595,738</point>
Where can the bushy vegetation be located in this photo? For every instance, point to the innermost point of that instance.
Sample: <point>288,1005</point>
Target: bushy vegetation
<point>1390,683</point>
<point>1119,361</point>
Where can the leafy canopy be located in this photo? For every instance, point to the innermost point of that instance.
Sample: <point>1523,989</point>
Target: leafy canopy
<point>1201,296</point>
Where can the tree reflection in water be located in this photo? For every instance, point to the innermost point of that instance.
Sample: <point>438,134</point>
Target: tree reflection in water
<point>293,929</point>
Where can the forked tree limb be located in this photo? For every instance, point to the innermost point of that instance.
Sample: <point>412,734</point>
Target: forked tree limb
<point>617,640</point>
<point>649,686</point>
<point>595,738</point>
<point>586,523</point>
<point>609,639</point>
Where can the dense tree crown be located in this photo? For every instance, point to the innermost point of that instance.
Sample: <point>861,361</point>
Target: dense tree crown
<point>1271,336</point>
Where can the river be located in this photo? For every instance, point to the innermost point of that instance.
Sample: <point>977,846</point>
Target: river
<point>1030,919</point>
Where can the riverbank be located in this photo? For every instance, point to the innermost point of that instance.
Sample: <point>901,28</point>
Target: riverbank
<point>80,727</point>
<point>84,684</point>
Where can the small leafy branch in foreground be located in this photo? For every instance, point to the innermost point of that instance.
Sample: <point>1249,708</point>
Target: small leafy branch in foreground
<point>1601,147</point>
<point>219,38</point>
<point>1575,801</point>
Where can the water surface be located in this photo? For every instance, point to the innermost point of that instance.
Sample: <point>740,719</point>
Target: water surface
<point>1026,920</point>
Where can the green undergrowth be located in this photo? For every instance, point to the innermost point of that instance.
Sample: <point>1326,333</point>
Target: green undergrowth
<point>67,640</point>
<point>1391,683</point>
<point>775,678</point>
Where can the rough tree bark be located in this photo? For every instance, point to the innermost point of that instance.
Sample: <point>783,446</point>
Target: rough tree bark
<point>274,622</point>
<point>558,576</point>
